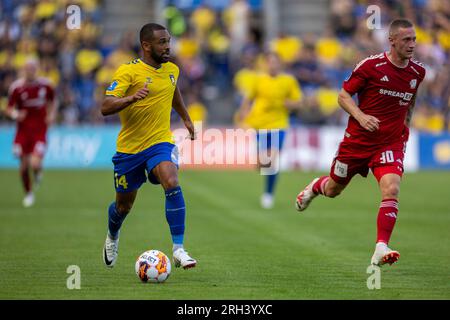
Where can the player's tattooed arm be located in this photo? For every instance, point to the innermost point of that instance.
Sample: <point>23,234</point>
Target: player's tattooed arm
<point>368,122</point>
<point>112,105</point>
<point>410,112</point>
<point>180,108</point>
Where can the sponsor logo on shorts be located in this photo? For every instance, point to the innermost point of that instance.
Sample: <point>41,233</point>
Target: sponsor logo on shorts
<point>340,169</point>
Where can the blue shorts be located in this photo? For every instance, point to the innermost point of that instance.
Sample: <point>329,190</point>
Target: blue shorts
<point>270,138</point>
<point>132,170</point>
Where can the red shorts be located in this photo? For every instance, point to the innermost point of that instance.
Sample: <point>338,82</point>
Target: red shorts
<point>26,144</point>
<point>352,159</point>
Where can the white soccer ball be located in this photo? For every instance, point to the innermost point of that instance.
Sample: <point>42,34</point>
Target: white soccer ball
<point>153,266</point>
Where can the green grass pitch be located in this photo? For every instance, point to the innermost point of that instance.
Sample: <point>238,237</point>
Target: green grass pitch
<point>243,252</point>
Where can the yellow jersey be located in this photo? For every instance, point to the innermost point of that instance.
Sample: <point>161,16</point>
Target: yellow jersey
<point>269,95</point>
<point>244,81</point>
<point>145,122</point>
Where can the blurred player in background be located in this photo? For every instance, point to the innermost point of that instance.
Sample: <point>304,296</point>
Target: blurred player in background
<point>143,93</point>
<point>377,131</point>
<point>31,104</point>
<point>266,107</point>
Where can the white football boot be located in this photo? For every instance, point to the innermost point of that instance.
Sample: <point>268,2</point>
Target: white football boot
<point>110,251</point>
<point>182,259</point>
<point>267,201</point>
<point>305,197</point>
<point>28,201</point>
<point>383,254</point>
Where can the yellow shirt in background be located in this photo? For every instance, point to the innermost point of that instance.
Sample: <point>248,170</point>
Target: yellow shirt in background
<point>269,95</point>
<point>244,81</point>
<point>87,60</point>
<point>287,48</point>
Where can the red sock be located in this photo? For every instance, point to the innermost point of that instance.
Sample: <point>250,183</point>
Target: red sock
<point>25,175</point>
<point>387,215</point>
<point>319,186</point>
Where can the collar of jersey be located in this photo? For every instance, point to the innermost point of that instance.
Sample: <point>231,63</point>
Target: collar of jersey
<point>150,66</point>
<point>389,60</point>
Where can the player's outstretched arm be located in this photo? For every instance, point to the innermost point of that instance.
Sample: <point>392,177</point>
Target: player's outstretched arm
<point>366,121</point>
<point>112,105</point>
<point>180,108</point>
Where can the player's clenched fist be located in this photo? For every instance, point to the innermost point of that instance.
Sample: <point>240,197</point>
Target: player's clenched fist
<point>141,93</point>
<point>369,122</point>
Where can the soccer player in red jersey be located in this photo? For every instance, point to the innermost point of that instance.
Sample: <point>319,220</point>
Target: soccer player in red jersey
<point>31,105</point>
<point>377,130</point>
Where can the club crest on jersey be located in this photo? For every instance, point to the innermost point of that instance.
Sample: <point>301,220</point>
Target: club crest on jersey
<point>413,83</point>
<point>112,86</point>
<point>172,79</point>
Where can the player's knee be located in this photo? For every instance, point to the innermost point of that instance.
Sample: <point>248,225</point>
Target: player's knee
<point>170,183</point>
<point>35,163</point>
<point>391,191</point>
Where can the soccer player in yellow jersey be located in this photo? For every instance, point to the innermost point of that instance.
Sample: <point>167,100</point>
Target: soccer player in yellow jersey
<point>143,92</point>
<point>266,108</point>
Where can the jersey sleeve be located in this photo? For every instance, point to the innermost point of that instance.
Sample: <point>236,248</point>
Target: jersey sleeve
<point>121,81</point>
<point>357,79</point>
<point>50,93</point>
<point>295,93</point>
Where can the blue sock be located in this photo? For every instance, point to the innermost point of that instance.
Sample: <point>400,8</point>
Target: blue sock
<point>175,214</point>
<point>115,220</point>
<point>270,183</point>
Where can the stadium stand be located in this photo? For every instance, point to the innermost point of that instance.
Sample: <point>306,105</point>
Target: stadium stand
<point>218,47</point>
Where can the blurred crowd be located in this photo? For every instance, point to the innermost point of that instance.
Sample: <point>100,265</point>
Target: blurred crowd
<point>219,50</point>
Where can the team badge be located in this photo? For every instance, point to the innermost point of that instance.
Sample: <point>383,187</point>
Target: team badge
<point>413,83</point>
<point>172,79</point>
<point>148,80</point>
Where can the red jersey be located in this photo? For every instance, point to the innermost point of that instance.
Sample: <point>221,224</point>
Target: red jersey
<point>386,92</point>
<point>34,98</point>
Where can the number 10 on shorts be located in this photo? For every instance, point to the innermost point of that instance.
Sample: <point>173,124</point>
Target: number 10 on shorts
<point>387,157</point>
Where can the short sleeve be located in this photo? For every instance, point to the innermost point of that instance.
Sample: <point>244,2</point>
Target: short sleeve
<point>357,79</point>
<point>121,81</point>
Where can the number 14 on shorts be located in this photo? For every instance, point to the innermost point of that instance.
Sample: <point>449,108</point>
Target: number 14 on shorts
<point>121,181</point>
